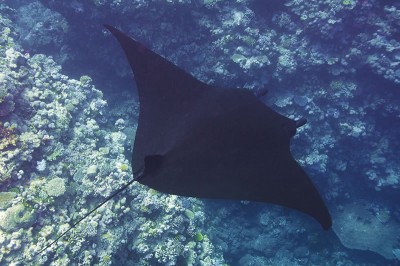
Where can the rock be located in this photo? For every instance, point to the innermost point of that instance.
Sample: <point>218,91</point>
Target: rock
<point>92,170</point>
<point>359,228</point>
<point>15,217</point>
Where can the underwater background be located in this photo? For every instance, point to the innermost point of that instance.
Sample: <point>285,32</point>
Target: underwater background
<point>68,116</point>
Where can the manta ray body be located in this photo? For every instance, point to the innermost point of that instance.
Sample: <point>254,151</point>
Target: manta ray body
<point>199,140</point>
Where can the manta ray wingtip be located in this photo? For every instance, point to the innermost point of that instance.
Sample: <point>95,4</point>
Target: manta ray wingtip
<point>326,221</point>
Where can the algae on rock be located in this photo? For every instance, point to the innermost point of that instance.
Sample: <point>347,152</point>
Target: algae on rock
<point>6,198</point>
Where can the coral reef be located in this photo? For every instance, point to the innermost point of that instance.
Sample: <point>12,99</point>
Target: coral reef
<point>64,146</point>
<point>41,29</point>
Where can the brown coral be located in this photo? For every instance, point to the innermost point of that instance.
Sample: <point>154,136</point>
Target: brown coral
<point>7,137</point>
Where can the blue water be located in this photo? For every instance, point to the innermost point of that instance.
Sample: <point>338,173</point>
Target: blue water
<point>336,63</point>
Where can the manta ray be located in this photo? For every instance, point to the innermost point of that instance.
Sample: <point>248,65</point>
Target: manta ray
<point>198,140</point>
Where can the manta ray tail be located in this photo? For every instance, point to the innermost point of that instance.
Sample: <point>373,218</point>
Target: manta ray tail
<point>137,176</point>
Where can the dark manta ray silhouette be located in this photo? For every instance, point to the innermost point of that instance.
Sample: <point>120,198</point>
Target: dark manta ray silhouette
<point>202,141</point>
<point>199,140</point>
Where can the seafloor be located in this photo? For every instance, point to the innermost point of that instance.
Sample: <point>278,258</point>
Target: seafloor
<point>68,116</point>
